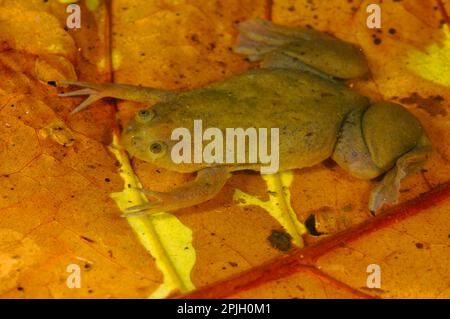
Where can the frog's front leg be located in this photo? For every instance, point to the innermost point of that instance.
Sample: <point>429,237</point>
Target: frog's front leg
<point>208,183</point>
<point>97,91</point>
<point>314,51</point>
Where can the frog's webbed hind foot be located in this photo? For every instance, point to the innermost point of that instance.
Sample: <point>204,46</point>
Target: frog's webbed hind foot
<point>255,40</point>
<point>387,191</point>
<point>313,50</point>
<point>97,91</point>
<point>208,183</point>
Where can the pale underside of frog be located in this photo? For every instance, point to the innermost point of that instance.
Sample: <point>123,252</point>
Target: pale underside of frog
<point>298,89</point>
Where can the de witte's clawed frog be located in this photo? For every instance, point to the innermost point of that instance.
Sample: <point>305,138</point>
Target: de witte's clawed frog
<point>299,89</point>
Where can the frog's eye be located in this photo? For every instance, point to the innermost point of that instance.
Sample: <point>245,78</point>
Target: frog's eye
<point>145,115</point>
<point>158,148</point>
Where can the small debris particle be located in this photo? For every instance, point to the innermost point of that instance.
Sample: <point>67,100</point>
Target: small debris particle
<point>280,240</point>
<point>347,208</point>
<point>329,163</point>
<point>310,224</point>
<point>87,239</point>
<point>195,38</point>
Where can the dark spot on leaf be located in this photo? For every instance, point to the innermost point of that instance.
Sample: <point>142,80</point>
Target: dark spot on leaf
<point>347,208</point>
<point>433,105</point>
<point>87,239</point>
<point>280,240</point>
<point>329,163</point>
<point>195,38</point>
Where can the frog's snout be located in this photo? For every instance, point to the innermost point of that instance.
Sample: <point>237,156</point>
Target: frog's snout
<point>135,141</point>
<point>130,138</point>
<point>129,128</point>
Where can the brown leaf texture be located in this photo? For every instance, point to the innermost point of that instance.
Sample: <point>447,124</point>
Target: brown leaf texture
<point>57,173</point>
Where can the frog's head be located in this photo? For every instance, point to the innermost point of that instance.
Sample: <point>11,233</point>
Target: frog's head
<point>147,137</point>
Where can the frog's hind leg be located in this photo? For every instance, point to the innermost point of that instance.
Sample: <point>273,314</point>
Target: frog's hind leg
<point>383,137</point>
<point>255,41</point>
<point>386,192</point>
<point>96,92</point>
<point>313,49</point>
<point>208,183</point>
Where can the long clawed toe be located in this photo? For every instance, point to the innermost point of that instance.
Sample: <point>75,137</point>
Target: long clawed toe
<point>140,210</point>
<point>78,93</point>
<point>147,208</point>
<point>88,89</point>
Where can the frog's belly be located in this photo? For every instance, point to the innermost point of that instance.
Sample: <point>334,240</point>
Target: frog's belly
<point>305,146</point>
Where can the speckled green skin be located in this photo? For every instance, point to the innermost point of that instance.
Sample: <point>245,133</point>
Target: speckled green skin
<point>309,112</point>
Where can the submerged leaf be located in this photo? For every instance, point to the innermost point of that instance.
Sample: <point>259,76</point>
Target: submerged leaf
<point>55,201</point>
<point>434,63</point>
<point>163,235</point>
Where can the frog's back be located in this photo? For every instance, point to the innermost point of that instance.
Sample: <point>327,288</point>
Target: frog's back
<point>307,109</point>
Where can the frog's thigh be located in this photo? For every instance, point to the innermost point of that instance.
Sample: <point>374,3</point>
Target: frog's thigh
<point>96,91</point>
<point>383,137</point>
<point>208,183</point>
<point>351,152</point>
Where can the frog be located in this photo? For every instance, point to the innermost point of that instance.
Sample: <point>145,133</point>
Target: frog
<point>300,88</point>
